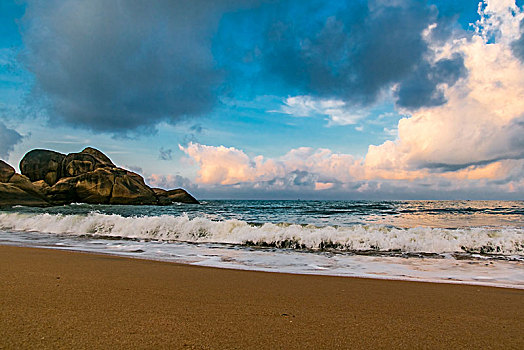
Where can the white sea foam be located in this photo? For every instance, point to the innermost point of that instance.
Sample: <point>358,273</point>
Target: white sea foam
<point>506,241</point>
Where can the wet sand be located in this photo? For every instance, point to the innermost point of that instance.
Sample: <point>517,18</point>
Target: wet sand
<point>57,299</point>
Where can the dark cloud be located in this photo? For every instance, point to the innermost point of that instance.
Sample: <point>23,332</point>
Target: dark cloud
<point>117,66</point>
<point>422,88</point>
<point>196,128</point>
<point>192,134</point>
<point>515,132</point>
<point>124,66</point>
<point>165,154</point>
<point>8,139</point>
<point>518,45</point>
<point>445,167</point>
<point>362,49</point>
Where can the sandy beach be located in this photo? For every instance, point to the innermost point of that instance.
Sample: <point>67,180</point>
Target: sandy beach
<point>57,299</point>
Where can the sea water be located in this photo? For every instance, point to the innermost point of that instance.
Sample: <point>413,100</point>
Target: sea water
<point>473,242</point>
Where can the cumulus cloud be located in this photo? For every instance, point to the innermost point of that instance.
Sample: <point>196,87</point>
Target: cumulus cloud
<point>117,66</point>
<point>302,167</point>
<point>320,172</point>
<point>8,139</point>
<point>482,122</point>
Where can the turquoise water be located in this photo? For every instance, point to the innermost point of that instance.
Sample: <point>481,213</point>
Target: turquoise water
<point>446,214</point>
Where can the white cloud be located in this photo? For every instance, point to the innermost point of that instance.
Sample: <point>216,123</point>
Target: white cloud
<point>337,111</point>
<point>228,166</point>
<point>313,170</point>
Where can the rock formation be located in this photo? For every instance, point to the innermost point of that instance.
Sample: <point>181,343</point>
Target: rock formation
<point>52,178</point>
<point>178,195</point>
<point>40,164</point>
<point>16,189</point>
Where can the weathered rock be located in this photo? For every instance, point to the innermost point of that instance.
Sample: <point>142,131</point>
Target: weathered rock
<point>18,189</point>
<point>23,183</point>
<point>161,195</point>
<point>6,171</point>
<point>102,186</point>
<point>174,196</point>
<point>129,188</point>
<point>42,187</point>
<point>42,164</point>
<point>102,158</point>
<point>75,164</point>
<point>95,187</point>
<point>63,192</point>
<point>12,195</point>
<point>86,177</point>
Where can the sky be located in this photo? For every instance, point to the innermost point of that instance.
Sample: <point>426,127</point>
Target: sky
<point>271,99</point>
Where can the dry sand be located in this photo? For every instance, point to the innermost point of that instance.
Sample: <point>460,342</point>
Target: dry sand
<point>56,299</point>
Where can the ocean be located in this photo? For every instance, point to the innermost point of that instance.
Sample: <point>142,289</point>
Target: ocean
<point>471,242</point>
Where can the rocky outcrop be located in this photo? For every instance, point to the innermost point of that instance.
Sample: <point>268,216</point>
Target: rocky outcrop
<point>40,164</point>
<point>130,188</point>
<point>100,157</point>
<point>16,189</point>
<point>174,196</point>
<point>12,195</point>
<point>6,171</point>
<point>52,178</point>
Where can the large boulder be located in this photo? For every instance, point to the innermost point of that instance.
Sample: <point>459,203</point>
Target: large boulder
<point>102,186</point>
<point>6,171</point>
<point>12,195</point>
<point>42,164</point>
<point>17,189</point>
<point>24,184</point>
<point>42,187</point>
<point>130,188</point>
<point>63,192</point>
<point>102,158</point>
<point>174,196</point>
<point>75,164</point>
<point>95,187</point>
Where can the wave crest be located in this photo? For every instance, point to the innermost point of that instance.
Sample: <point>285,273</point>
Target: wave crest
<point>507,241</point>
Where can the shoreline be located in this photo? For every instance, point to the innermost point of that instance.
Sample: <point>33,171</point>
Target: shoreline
<point>61,299</point>
<point>239,268</point>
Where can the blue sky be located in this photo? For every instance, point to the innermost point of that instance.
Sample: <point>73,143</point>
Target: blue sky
<point>274,99</point>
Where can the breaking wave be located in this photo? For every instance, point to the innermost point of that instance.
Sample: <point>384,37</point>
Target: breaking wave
<point>502,241</point>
